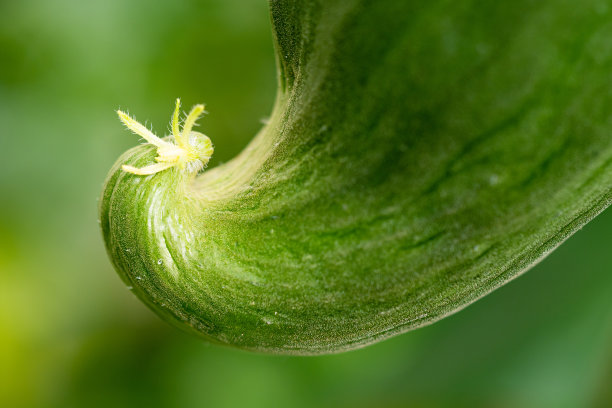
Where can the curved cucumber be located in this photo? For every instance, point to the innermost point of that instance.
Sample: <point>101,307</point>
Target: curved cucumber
<point>419,156</point>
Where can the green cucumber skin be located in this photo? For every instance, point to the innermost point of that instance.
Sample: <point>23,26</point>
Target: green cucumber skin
<point>405,173</point>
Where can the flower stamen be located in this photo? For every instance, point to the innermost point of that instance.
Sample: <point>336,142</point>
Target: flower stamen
<point>192,150</point>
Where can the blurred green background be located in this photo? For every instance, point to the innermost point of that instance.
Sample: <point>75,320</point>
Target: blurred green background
<point>72,335</point>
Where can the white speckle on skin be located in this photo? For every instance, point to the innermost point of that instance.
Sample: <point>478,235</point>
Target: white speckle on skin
<point>493,179</point>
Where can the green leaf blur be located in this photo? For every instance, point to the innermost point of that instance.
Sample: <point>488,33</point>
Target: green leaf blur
<point>71,335</point>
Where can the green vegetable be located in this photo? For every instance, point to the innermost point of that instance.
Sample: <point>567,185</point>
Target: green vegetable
<point>419,155</point>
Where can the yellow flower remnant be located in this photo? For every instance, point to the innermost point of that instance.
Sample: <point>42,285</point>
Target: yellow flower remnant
<point>192,149</point>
